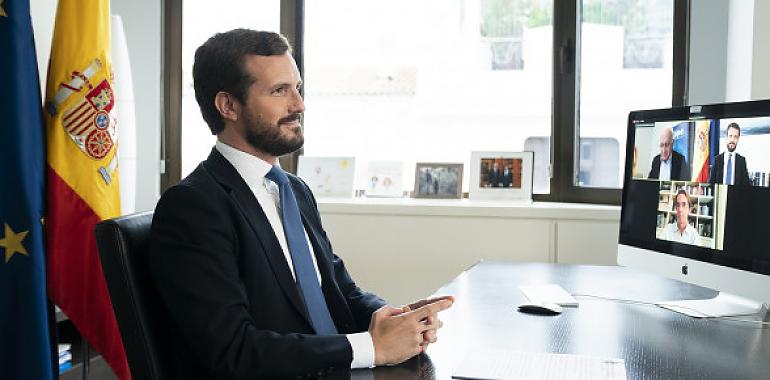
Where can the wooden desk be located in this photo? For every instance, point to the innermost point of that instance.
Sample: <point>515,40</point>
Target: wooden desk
<point>655,343</point>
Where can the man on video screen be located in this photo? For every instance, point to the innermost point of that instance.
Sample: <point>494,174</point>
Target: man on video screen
<point>681,231</point>
<point>669,164</point>
<point>730,167</point>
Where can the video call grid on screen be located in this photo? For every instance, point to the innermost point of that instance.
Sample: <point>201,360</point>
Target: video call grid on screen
<point>686,209</point>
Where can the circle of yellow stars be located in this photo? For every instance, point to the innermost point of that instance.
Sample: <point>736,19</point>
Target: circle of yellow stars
<point>12,242</point>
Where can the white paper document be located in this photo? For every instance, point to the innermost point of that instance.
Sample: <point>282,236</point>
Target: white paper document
<point>549,293</point>
<point>488,364</point>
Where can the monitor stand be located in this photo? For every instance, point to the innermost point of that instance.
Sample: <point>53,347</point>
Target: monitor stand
<point>723,305</point>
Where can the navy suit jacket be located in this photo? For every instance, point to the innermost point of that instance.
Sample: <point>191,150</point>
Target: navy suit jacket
<point>741,174</point>
<point>679,169</point>
<point>235,308</point>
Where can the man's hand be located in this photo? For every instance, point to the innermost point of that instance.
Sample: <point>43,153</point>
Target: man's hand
<point>398,334</point>
<point>428,336</point>
<point>418,304</point>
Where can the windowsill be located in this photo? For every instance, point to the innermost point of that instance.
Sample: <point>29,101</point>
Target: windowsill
<point>467,207</point>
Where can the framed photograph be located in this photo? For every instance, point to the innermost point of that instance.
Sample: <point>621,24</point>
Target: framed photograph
<point>438,180</point>
<point>501,176</point>
<point>328,176</point>
<point>384,179</point>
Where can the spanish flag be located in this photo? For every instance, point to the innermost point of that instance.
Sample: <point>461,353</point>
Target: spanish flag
<point>82,174</point>
<point>700,164</point>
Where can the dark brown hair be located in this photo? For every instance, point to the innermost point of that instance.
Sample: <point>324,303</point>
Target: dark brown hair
<point>219,67</point>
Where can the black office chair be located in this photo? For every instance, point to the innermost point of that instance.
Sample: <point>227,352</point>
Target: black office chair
<point>123,248</point>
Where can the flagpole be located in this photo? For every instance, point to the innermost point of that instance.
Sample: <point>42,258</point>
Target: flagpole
<point>85,352</point>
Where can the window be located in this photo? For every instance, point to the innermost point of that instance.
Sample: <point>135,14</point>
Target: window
<point>625,64</point>
<point>197,27</point>
<point>433,80</point>
<point>426,80</point>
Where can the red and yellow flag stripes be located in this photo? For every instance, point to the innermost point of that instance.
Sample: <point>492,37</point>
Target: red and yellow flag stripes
<point>83,186</point>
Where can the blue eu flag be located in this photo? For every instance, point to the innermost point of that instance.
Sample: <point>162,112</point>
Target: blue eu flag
<point>25,347</point>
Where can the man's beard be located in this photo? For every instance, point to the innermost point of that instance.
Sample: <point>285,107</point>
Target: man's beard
<point>731,147</point>
<point>267,138</point>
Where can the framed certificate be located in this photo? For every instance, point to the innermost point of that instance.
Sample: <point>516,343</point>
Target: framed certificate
<point>384,179</point>
<point>328,176</point>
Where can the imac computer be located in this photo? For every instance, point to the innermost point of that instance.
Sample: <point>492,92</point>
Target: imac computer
<point>696,203</point>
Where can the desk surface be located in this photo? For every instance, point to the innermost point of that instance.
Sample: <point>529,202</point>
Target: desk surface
<point>655,343</point>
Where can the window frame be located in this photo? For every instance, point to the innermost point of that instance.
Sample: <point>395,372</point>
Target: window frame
<point>565,130</point>
<point>564,126</point>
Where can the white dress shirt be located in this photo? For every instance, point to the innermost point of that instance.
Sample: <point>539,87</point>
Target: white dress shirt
<point>665,169</point>
<point>690,235</point>
<point>726,157</point>
<point>253,171</point>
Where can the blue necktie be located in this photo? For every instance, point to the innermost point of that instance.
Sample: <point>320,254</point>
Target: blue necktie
<point>729,178</point>
<point>307,280</point>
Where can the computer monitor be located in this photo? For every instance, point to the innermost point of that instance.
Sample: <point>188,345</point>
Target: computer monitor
<point>696,202</point>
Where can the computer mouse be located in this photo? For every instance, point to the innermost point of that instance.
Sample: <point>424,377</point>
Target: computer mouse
<point>540,308</point>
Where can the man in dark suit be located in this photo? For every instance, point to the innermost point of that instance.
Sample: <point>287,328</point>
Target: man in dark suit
<point>507,177</point>
<point>237,251</point>
<point>730,168</point>
<point>495,178</point>
<point>669,164</point>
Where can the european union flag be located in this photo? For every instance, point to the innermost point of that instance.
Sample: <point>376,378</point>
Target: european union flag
<point>25,347</point>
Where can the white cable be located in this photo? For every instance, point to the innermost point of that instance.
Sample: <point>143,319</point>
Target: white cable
<point>634,302</point>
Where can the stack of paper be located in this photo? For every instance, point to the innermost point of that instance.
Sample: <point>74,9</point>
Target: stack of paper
<point>490,364</point>
<point>549,293</point>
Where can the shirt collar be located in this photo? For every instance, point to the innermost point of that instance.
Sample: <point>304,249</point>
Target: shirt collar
<point>252,169</point>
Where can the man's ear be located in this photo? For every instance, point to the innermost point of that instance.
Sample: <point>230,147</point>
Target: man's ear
<point>227,105</point>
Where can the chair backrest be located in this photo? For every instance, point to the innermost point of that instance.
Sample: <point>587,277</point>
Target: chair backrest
<point>142,320</point>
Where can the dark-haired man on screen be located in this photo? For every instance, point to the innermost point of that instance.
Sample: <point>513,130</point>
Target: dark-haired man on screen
<point>729,167</point>
<point>680,230</point>
<point>237,250</point>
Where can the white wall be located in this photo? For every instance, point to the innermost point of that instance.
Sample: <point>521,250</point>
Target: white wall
<point>739,50</point>
<point>708,44</point>
<point>142,23</point>
<point>728,51</point>
<point>43,13</point>
<point>761,59</point>
<point>647,140</point>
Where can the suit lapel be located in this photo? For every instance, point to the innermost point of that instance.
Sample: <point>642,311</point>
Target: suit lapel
<point>655,171</point>
<point>226,175</point>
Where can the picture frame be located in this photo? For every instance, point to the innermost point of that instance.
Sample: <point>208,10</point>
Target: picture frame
<point>328,177</point>
<point>384,179</point>
<point>439,180</point>
<point>501,176</point>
